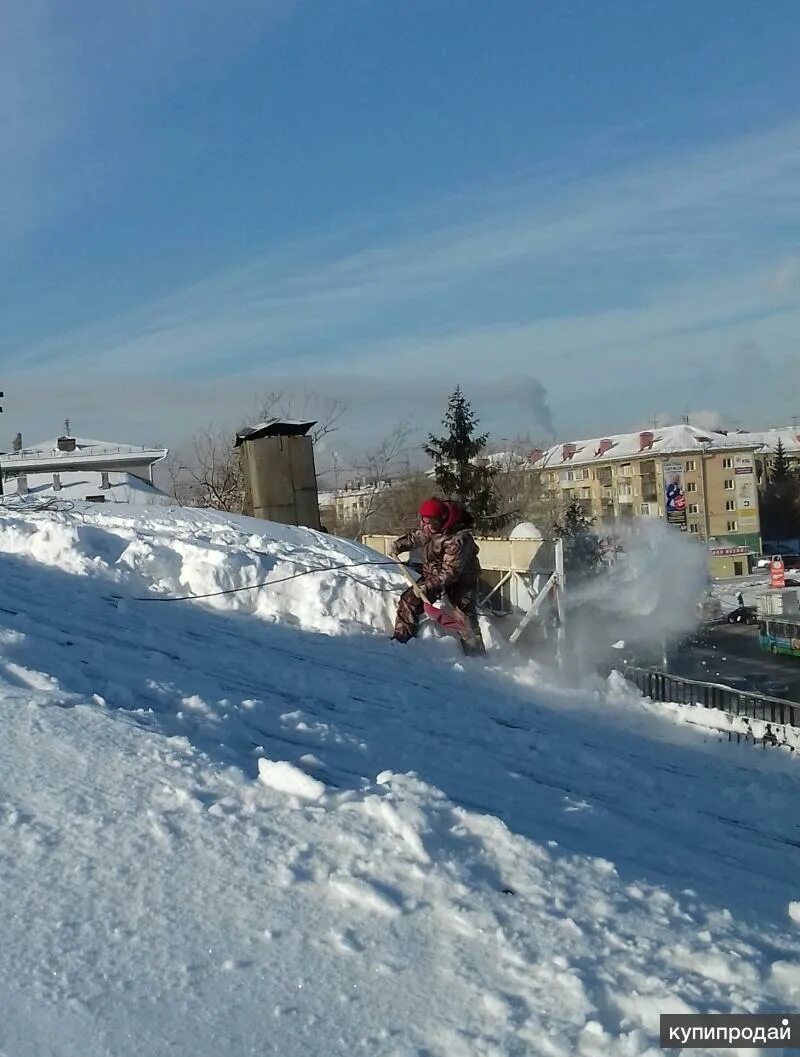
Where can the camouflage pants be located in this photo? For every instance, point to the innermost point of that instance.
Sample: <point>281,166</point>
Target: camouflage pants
<point>464,601</point>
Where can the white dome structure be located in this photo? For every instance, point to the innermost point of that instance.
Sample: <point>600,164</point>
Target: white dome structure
<point>526,530</point>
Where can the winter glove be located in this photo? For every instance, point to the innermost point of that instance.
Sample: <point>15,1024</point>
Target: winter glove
<point>394,550</point>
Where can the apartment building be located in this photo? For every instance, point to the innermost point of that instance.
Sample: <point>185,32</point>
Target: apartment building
<point>351,505</point>
<point>766,444</point>
<point>703,483</point>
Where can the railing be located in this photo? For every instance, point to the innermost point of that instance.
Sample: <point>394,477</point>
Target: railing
<point>12,456</point>
<point>661,686</point>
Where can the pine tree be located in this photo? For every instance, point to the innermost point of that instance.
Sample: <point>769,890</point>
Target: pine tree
<point>779,500</point>
<point>583,554</point>
<point>459,472</point>
<point>779,469</point>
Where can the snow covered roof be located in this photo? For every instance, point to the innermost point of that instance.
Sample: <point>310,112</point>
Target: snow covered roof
<point>274,427</point>
<point>80,451</point>
<point>251,817</point>
<point>767,440</point>
<point>663,441</point>
<point>82,485</point>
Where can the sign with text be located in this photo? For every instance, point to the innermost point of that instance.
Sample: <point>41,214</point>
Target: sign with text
<point>674,494</point>
<point>745,489</point>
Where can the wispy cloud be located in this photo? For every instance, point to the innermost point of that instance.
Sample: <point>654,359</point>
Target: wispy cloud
<point>604,287</point>
<point>70,73</point>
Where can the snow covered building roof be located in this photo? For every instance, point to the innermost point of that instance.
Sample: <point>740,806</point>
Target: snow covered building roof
<point>767,440</point>
<point>664,441</point>
<point>77,453</point>
<point>274,427</point>
<point>94,486</point>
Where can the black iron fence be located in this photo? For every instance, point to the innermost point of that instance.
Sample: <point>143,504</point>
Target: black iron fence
<point>661,686</point>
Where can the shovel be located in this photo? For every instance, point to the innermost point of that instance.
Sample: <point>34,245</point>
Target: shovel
<point>448,621</point>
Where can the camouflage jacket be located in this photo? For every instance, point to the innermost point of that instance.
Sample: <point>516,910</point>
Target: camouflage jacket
<point>448,558</point>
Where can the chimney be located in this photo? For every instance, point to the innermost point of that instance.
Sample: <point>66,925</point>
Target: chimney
<point>646,440</point>
<point>604,446</point>
<point>66,443</point>
<point>56,482</point>
<point>104,481</point>
<point>568,451</point>
<point>535,455</point>
<point>22,484</point>
<point>18,442</point>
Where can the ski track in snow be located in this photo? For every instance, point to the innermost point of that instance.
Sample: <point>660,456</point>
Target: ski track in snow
<point>441,857</point>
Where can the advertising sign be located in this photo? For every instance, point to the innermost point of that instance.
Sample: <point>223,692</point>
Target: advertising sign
<point>777,572</point>
<point>745,485</point>
<point>675,494</point>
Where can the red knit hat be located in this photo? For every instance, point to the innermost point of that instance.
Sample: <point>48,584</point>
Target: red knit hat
<point>433,508</point>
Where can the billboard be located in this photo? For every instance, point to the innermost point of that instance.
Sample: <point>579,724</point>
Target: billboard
<point>675,494</point>
<point>745,485</point>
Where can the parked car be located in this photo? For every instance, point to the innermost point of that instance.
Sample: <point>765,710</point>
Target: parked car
<point>743,615</point>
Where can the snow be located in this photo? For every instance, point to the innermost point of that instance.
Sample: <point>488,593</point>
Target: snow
<point>285,778</point>
<point>665,440</point>
<point>250,824</point>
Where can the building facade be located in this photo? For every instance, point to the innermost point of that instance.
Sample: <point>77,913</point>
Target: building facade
<point>703,483</point>
<point>80,469</point>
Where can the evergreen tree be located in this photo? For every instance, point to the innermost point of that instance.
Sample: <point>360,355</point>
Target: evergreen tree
<point>583,554</point>
<point>459,472</point>
<point>779,501</point>
<point>779,468</point>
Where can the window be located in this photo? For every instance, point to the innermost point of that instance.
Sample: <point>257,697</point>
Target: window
<point>731,526</point>
<point>690,465</point>
<point>694,508</point>
<point>624,489</point>
<point>694,529</point>
<point>626,470</point>
<point>691,486</point>
<point>727,462</point>
<point>728,485</point>
<point>730,504</point>
<point>644,510</point>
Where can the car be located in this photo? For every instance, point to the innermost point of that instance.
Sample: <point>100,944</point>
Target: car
<point>743,615</point>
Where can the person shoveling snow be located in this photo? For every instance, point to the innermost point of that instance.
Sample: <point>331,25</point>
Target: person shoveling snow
<point>450,569</point>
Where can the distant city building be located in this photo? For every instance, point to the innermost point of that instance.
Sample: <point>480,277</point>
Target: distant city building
<point>702,482</point>
<point>81,469</point>
<point>352,503</point>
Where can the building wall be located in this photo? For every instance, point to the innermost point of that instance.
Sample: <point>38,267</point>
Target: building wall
<point>720,490</point>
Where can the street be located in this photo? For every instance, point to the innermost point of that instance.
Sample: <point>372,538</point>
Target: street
<point>730,654</point>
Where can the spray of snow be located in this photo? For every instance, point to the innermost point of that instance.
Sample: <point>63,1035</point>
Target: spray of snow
<point>649,596</point>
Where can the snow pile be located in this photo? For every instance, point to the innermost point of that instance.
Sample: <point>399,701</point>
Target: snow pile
<point>245,826</point>
<point>175,553</point>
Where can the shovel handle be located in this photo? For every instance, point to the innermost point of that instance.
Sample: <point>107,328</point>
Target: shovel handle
<point>418,591</point>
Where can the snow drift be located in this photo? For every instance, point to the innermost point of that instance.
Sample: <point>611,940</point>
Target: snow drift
<point>249,824</point>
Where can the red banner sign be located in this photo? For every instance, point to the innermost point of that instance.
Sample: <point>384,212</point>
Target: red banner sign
<point>777,572</point>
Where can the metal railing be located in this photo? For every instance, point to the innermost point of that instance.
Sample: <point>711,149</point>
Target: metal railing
<point>661,686</point>
<point>90,452</point>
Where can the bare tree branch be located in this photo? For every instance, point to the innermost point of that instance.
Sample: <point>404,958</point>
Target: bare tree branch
<point>212,475</point>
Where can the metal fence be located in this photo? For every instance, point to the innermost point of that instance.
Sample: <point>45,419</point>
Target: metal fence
<point>661,686</point>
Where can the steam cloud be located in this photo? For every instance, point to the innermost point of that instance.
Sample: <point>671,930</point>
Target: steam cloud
<point>529,395</point>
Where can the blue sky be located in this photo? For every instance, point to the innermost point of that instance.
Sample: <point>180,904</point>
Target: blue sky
<point>376,199</point>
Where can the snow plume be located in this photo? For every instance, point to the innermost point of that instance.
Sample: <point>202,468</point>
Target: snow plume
<point>648,598</point>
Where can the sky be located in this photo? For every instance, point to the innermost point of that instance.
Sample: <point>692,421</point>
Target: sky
<point>585,213</point>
